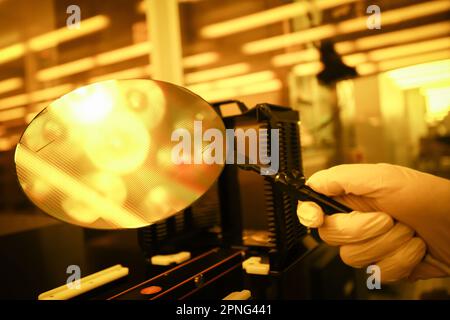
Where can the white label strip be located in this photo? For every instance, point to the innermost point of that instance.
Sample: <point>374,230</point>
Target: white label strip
<point>87,283</point>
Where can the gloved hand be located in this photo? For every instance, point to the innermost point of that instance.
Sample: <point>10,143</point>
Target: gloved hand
<point>401,222</point>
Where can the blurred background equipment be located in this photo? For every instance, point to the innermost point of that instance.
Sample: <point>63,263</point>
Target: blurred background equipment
<point>396,110</point>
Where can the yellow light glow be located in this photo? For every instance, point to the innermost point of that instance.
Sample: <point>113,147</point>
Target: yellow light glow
<point>346,47</point>
<point>240,91</point>
<point>355,59</point>
<point>11,52</point>
<point>408,54</point>
<point>366,68</point>
<point>89,63</point>
<point>49,93</point>
<point>286,40</point>
<point>30,116</point>
<point>10,84</point>
<point>408,61</point>
<point>109,166</point>
<point>357,24</point>
<point>40,189</point>
<point>96,204</point>
<point>119,144</point>
<point>220,94</point>
<point>90,104</point>
<point>438,102</point>
<point>41,105</point>
<point>247,79</point>
<point>37,107</point>
<point>36,96</point>
<point>267,17</point>
<point>164,157</point>
<point>290,58</point>
<point>159,195</point>
<point>66,69</point>
<point>421,69</point>
<point>14,101</point>
<point>141,7</point>
<point>147,100</point>
<point>45,131</point>
<point>422,74</point>
<point>308,69</point>
<point>312,55</point>
<point>200,60</point>
<point>396,15</point>
<point>53,38</point>
<point>123,54</point>
<point>418,80</point>
<point>119,55</point>
<point>108,185</point>
<point>12,114</point>
<point>366,63</point>
<point>233,81</point>
<point>158,202</point>
<point>409,49</point>
<point>80,211</point>
<point>393,38</point>
<point>132,73</point>
<point>217,73</point>
<point>267,86</point>
<point>7,143</point>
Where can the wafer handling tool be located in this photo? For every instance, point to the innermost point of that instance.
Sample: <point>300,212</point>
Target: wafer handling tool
<point>105,155</point>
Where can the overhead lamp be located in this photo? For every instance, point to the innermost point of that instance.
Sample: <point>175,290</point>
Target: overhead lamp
<point>268,17</point>
<point>330,30</point>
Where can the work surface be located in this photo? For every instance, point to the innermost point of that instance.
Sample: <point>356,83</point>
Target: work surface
<point>36,261</point>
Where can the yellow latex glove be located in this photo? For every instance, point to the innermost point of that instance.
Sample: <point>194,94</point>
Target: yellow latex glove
<point>402,222</point>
